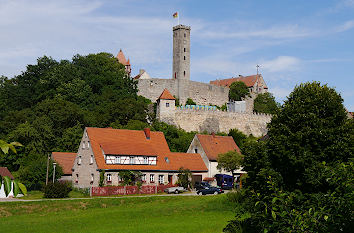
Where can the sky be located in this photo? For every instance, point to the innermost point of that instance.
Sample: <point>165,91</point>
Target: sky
<point>292,41</point>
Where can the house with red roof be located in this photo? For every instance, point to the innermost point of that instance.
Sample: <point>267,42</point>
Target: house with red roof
<point>5,172</point>
<point>255,83</point>
<point>113,150</point>
<point>66,162</point>
<point>209,147</point>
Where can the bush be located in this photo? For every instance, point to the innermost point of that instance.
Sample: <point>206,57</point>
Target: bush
<point>57,190</point>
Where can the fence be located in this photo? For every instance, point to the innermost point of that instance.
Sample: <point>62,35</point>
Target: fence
<point>128,190</point>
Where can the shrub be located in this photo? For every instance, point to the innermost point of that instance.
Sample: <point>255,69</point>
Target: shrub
<point>57,190</point>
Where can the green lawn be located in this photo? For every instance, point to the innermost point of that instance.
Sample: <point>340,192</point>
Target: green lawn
<point>134,214</point>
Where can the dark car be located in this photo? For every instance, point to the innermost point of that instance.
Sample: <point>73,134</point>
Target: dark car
<point>201,185</point>
<point>209,190</point>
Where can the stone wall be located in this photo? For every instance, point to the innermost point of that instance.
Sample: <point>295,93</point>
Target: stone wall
<point>201,93</point>
<point>219,121</point>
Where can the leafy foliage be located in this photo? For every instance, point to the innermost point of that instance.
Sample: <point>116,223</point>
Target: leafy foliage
<point>184,178</point>
<point>230,161</point>
<point>238,137</point>
<point>265,103</point>
<point>301,179</point>
<point>190,102</point>
<point>55,100</point>
<point>57,190</point>
<point>130,177</point>
<point>238,91</point>
<point>177,139</point>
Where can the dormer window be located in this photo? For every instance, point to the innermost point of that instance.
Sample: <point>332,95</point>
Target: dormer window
<point>167,105</point>
<point>145,160</point>
<point>117,160</point>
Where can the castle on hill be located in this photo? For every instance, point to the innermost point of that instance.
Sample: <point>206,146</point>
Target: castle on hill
<point>216,92</point>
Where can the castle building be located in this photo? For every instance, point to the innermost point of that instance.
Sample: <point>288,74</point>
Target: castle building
<point>121,58</point>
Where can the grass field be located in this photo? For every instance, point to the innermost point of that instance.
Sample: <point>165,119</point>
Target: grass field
<point>132,214</point>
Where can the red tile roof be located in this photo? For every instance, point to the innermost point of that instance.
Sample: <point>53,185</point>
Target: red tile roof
<point>166,95</point>
<point>248,80</point>
<point>65,160</point>
<point>134,142</point>
<point>215,145</point>
<point>121,58</point>
<point>5,172</point>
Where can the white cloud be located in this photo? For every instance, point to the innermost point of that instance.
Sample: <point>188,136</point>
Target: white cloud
<point>345,26</point>
<point>281,63</point>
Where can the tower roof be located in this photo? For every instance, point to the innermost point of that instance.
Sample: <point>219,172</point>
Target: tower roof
<point>121,58</point>
<point>166,95</point>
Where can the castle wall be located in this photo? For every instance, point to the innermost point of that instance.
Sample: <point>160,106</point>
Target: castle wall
<point>201,93</point>
<point>219,121</point>
<point>152,88</point>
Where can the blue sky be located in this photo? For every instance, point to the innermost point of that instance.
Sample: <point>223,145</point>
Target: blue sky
<point>292,41</point>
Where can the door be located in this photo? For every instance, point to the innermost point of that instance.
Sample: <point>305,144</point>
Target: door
<point>170,179</point>
<point>196,178</point>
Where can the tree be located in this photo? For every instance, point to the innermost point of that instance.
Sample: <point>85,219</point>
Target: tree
<point>300,180</point>
<point>184,178</point>
<point>265,103</point>
<point>238,91</point>
<point>190,102</point>
<point>130,177</point>
<point>238,137</point>
<point>230,161</point>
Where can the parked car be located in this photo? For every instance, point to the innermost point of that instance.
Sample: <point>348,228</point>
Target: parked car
<point>175,190</point>
<point>201,185</point>
<point>210,190</point>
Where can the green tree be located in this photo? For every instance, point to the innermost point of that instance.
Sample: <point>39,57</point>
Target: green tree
<point>238,137</point>
<point>184,178</point>
<point>301,179</point>
<point>265,103</point>
<point>130,177</point>
<point>238,91</point>
<point>190,102</point>
<point>230,161</point>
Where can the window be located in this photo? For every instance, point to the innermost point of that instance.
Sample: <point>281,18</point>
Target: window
<point>184,49</point>
<point>143,177</point>
<point>117,160</point>
<point>92,178</point>
<point>132,160</point>
<point>88,145</point>
<point>91,159</point>
<point>152,178</point>
<point>119,179</point>
<point>167,105</point>
<point>83,145</point>
<point>145,160</point>
<point>85,133</point>
<point>161,178</point>
<point>77,178</point>
<point>79,161</point>
<point>184,73</point>
<point>184,57</point>
<point>109,178</point>
<point>185,35</point>
<point>196,150</point>
<point>175,75</point>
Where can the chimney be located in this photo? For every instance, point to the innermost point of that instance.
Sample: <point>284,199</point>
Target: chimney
<point>213,134</point>
<point>141,71</point>
<point>147,133</point>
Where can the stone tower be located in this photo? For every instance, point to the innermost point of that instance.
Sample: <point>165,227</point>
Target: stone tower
<point>181,52</point>
<point>181,59</point>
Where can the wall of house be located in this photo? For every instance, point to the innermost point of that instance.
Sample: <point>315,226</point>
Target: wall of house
<point>115,177</point>
<point>86,168</point>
